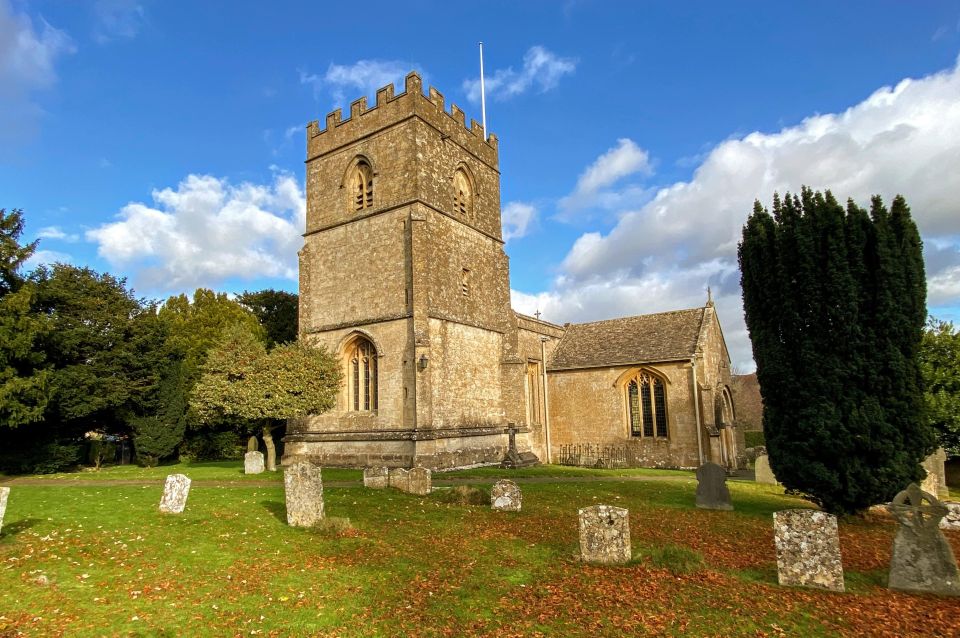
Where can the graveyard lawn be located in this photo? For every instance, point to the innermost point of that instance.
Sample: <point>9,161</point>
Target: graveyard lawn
<point>80,560</point>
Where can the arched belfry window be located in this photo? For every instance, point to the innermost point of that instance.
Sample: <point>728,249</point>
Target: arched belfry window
<point>361,359</point>
<point>362,185</point>
<point>646,397</point>
<point>462,193</point>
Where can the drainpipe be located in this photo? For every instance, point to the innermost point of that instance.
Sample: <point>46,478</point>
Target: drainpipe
<point>696,407</point>
<point>546,397</point>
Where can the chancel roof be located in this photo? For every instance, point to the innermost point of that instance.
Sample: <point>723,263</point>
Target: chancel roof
<point>664,336</point>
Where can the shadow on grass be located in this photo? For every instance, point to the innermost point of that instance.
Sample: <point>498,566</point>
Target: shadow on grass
<point>19,526</point>
<point>277,509</point>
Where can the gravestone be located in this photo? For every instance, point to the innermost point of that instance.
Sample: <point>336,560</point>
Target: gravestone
<point>4,493</point>
<point>419,481</point>
<point>376,477</point>
<point>505,496</point>
<point>712,492</point>
<point>175,492</point>
<point>936,480</point>
<point>253,463</point>
<point>922,559</point>
<point>398,478</point>
<point>952,519</point>
<point>808,549</point>
<point>252,444</point>
<point>605,535</point>
<point>762,472</point>
<point>303,493</point>
<point>514,459</point>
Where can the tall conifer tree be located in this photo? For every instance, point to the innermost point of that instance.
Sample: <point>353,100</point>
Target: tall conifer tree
<point>834,301</point>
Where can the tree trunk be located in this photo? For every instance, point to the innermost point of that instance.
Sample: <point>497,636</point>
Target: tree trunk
<point>271,449</point>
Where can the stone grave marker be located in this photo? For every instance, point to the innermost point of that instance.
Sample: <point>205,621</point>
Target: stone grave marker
<point>922,559</point>
<point>4,493</point>
<point>399,478</point>
<point>952,519</point>
<point>252,444</point>
<point>712,492</point>
<point>419,481</point>
<point>253,463</point>
<point>175,492</point>
<point>936,480</point>
<point>808,549</point>
<point>505,496</point>
<point>303,493</point>
<point>605,535</point>
<point>376,477</point>
<point>762,471</point>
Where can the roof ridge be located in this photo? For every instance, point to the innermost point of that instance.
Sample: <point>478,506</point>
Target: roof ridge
<point>649,314</point>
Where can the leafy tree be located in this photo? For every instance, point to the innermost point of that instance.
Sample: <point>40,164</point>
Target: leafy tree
<point>940,365</point>
<point>277,311</point>
<point>12,254</point>
<point>242,380</point>
<point>835,305</point>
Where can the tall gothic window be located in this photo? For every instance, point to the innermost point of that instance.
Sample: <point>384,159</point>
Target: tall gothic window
<point>647,406</point>
<point>361,376</point>
<point>362,186</point>
<point>462,193</point>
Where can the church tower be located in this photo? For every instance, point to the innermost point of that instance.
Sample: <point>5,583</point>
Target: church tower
<point>404,279</point>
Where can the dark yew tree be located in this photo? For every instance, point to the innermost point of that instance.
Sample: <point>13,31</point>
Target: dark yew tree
<point>278,312</point>
<point>835,305</point>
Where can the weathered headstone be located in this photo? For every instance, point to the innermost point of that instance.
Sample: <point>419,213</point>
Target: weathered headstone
<point>712,492</point>
<point>952,519</point>
<point>922,559</point>
<point>4,493</point>
<point>505,496</point>
<point>376,477</point>
<point>762,471</point>
<point>605,534</point>
<point>419,481</point>
<point>936,480</point>
<point>303,493</point>
<point>175,492</point>
<point>399,478</point>
<point>252,444</point>
<point>808,549</point>
<point>253,463</point>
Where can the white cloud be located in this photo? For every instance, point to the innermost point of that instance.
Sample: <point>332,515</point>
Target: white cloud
<point>362,78</point>
<point>904,139</point>
<point>45,258</point>
<point>55,232</point>
<point>207,230</point>
<point>117,20</point>
<point>28,55</point>
<point>516,219</point>
<point>542,70</point>
<point>592,190</point>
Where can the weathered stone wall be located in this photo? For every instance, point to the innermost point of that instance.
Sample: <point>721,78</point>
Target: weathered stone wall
<point>589,406</point>
<point>714,375</point>
<point>465,372</point>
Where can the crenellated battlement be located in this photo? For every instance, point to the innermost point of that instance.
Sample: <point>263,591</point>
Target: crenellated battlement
<point>390,108</point>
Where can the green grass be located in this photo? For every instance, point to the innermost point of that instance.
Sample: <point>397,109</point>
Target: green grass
<point>197,470</point>
<point>91,561</point>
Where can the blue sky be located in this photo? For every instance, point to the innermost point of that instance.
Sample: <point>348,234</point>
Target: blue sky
<point>164,141</point>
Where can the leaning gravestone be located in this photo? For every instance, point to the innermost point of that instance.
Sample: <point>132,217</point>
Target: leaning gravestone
<point>253,463</point>
<point>808,549</point>
<point>712,492</point>
<point>762,471</point>
<point>376,477</point>
<point>604,535</point>
<point>303,493</point>
<point>922,559</point>
<point>175,492</point>
<point>505,496</point>
<point>4,493</point>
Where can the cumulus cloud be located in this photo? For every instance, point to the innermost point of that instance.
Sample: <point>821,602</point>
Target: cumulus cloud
<point>903,139</point>
<point>45,258</point>
<point>516,219</point>
<point>55,232</point>
<point>542,70</point>
<point>28,56</point>
<point>361,78</point>
<point>117,20</point>
<point>207,230</point>
<point>593,186</point>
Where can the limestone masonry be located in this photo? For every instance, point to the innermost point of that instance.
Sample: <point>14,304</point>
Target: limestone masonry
<point>404,279</point>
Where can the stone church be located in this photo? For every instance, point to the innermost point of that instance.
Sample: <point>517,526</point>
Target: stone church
<point>403,277</point>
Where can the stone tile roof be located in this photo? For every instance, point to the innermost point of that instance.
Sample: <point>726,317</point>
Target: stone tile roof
<point>664,336</point>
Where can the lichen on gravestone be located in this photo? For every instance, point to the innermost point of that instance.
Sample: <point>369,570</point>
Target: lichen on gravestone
<point>808,549</point>
<point>505,496</point>
<point>604,535</point>
<point>922,559</point>
<point>253,462</point>
<point>376,477</point>
<point>303,494</point>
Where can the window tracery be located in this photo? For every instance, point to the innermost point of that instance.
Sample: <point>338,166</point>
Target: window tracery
<point>647,406</point>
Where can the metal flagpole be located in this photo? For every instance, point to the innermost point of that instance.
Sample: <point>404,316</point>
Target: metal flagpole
<point>483,96</point>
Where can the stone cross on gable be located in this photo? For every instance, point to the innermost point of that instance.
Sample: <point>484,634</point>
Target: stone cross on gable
<point>537,314</point>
